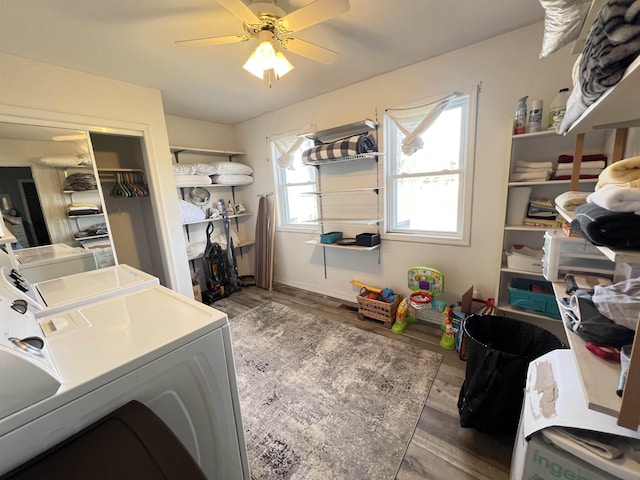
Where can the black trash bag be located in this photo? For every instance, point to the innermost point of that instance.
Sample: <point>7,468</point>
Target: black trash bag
<point>499,351</point>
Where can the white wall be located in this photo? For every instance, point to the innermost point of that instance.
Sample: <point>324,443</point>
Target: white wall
<point>35,92</point>
<point>508,68</point>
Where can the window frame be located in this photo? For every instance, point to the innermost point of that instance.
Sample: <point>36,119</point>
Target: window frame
<point>464,172</point>
<point>281,186</point>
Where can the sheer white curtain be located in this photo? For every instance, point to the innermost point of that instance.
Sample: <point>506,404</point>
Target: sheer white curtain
<point>425,115</point>
<point>286,147</point>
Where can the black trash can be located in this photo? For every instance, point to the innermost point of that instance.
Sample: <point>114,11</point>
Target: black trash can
<point>499,351</point>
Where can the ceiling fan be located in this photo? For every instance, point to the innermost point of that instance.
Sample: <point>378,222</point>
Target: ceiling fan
<point>274,29</point>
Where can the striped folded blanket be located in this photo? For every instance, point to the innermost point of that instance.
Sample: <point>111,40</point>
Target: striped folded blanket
<point>346,147</point>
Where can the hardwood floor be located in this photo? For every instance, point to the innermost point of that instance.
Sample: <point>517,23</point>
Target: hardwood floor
<point>439,448</point>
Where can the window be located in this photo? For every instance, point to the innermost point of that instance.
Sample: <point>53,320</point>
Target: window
<point>429,191</point>
<point>293,179</point>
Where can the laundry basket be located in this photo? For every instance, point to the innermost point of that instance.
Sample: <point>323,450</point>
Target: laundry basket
<point>498,352</point>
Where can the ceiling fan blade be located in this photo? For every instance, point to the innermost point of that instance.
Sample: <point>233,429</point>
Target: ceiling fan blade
<point>309,50</point>
<point>313,13</point>
<point>204,42</point>
<point>239,10</point>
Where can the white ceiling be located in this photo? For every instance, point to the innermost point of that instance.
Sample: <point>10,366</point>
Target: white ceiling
<point>133,41</point>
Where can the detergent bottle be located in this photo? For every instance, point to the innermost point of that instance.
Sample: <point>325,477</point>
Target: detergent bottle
<point>520,120</point>
<point>558,108</point>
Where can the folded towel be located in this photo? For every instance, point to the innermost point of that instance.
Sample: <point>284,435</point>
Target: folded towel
<point>189,212</point>
<point>606,228</point>
<point>617,198</point>
<point>192,180</point>
<point>570,200</point>
<point>568,177</point>
<point>583,166</point>
<point>583,171</point>
<point>533,165</point>
<point>625,173</point>
<point>532,176</point>
<point>585,158</point>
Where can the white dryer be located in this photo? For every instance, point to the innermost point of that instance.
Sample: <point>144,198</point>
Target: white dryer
<point>37,264</point>
<point>51,296</point>
<point>152,345</point>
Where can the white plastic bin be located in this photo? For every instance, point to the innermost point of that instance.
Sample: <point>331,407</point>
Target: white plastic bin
<point>564,255</point>
<point>524,259</point>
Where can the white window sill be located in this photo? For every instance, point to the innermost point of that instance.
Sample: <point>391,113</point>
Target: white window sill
<point>414,238</point>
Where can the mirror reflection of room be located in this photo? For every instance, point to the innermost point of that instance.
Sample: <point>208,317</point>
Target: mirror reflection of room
<point>51,203</point>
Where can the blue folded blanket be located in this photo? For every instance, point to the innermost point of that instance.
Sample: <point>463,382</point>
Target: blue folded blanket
<point>346,147</point>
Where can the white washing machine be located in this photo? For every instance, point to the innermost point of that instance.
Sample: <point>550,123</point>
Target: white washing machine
<point>153,345</point>
<point>63,293</point>
<point>37,264</point>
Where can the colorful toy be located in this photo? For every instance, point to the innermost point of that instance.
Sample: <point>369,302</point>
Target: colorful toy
<point>426,279</point>
<point>448,340</point>
<point>400,324</point>
<point>426,283</point>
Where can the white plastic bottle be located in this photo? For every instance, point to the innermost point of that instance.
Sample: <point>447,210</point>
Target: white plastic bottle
<point>534,124</point>
<point>558,108</point>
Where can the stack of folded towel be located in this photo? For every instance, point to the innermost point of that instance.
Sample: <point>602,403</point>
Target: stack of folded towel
<point>611,216</point>
<point>590,167</point>
<point>524,171</point>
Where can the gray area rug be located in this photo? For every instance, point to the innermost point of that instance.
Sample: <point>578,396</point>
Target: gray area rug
<point>324,400</point>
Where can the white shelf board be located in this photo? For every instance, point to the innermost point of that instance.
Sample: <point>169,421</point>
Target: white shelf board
<point>204,151</point>
<point>7,238</point>
<point>550,182</point>
<point>599,377</point>
<point>521,272</point>
<point>618,107</point>
<point>87,216</point>
<point>346,221</point>
<point>350,158</point>
<point>348,190</point>
<point>219,219</point>
<point>318,243</point>
<point>527,313</point>
<point>208,185</point>
<point>243,243</point>
<point>527,228</point>
<point>342,131</point>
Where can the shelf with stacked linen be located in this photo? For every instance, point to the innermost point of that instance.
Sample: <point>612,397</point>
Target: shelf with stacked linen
<point>536,161</point>
<point>202,219</point>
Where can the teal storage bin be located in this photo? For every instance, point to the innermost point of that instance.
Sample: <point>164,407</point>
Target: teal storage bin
<point>522,296</point>
<point>330,237</point>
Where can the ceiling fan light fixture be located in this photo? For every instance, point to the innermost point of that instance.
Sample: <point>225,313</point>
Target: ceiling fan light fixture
<point>282,66</point>
<point>265,58</point>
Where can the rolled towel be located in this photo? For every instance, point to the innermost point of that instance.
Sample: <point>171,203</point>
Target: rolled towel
<point>606,228</point>
<point>625,173</point>
<point>617,198</point>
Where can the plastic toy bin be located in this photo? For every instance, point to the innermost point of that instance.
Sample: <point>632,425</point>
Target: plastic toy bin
<point>522,294</point>
<point>330,237</point>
